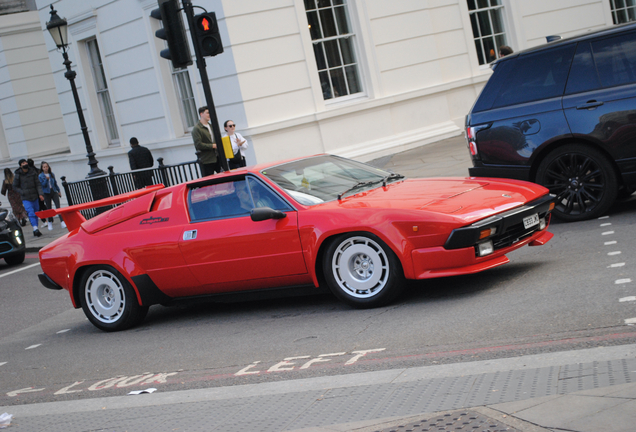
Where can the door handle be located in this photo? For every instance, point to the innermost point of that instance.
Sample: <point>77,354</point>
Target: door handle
<point>190,235</point>
<point>590,105</point>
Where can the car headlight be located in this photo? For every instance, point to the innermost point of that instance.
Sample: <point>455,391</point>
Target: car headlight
<point>485,248</point>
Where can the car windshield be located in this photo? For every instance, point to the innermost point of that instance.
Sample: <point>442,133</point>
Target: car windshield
<point>325,178</point>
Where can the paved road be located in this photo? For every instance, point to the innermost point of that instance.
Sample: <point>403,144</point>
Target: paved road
<point>565,295</point>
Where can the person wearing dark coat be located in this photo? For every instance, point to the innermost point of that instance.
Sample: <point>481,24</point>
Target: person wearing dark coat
<point>140,157</point>
<point>27,184</point>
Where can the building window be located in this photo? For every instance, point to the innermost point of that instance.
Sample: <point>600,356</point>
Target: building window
<point>334,47</point>
<point>486,19</point>
<point>103,94</point>
<point>188,105</point>
<point>623,11</point>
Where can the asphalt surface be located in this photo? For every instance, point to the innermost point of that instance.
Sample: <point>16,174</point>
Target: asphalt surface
<point>577,390</point>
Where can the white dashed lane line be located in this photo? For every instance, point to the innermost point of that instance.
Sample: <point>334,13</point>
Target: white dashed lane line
<point>63,331</point>
<point>32,346</point>
<point>3,363</point>
<point>628,321</point>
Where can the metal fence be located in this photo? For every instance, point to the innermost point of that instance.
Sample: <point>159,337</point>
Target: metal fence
<point>96,188</point>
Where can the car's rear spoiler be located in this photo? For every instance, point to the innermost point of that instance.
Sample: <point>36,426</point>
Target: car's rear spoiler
<point>72,216</point>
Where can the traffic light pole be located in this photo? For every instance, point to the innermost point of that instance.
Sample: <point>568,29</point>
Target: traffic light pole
<point>216,131</point>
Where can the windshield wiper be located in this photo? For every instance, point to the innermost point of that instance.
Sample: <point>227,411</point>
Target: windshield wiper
<point>357,186</point>
<point>392,176</point>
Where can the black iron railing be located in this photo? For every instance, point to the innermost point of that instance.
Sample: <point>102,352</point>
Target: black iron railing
<point>96,188</point>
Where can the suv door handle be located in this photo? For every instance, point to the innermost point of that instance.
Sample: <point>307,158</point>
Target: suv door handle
<point>590,104</point>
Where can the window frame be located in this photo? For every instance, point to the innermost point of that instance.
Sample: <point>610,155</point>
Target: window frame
<point>353,38</point>
<point>626,9</point>
<point>106,107</point>
<point>502,10</point>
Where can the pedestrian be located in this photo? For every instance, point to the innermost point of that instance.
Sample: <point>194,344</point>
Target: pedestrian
<point>204,143</point>
<point>505,50</point>
<point>239,144</point>
<point>51,191</point>
<point>41,203</point>
<point>14,198</point>
<point>139,158</point>
<point>27,184</point>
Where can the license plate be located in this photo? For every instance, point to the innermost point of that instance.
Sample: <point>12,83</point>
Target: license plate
<point>531,221</point>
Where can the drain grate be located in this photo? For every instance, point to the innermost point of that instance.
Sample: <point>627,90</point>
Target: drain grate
<point>454,421</point>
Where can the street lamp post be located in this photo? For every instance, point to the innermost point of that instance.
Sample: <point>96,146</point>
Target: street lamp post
<point>58,27</point>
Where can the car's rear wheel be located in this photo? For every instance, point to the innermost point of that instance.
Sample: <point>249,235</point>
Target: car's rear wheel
<point>15,259</point>
<point>109,301</point>
<point>361,270</point>
<point>583,180</point>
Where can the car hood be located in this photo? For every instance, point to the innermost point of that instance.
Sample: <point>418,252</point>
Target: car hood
<point>468,199</point>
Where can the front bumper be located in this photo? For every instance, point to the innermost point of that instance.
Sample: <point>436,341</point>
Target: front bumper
<point>10,243</point>
<point>458,256</point>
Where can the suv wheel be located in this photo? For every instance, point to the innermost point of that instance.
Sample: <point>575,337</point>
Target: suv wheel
<point>583,180</point>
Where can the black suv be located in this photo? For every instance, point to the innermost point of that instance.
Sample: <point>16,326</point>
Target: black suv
<point>562,115</point>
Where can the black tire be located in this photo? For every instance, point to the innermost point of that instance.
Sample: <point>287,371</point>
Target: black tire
<point>362,271</point>
<point>108,299</point>
<point>583,180</point>
<point>15,259</point>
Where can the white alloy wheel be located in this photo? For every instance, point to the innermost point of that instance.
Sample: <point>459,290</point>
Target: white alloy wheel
<point>360,267</point>
<point>105,296</point>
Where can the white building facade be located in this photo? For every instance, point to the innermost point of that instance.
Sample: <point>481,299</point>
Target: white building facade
<point>358,78</point>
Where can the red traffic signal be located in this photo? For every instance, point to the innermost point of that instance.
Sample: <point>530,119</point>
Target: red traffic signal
<point>207,34</point>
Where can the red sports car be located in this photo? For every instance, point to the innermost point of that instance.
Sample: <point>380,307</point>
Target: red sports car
<point>316,220</point>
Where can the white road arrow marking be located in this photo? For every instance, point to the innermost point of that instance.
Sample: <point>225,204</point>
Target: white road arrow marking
<point>14,393</point>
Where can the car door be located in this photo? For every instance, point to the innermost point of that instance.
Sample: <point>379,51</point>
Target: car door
<point>223,246</point>
<point>600,100</point>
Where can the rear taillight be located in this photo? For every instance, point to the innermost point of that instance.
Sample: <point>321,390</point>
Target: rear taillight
<point>471,137</point>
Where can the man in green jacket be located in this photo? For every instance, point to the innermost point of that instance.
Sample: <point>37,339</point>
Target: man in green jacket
<point>204,143</point>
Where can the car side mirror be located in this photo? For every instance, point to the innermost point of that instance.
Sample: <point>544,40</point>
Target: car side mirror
<point>3,214</point>
<point>263,213</point>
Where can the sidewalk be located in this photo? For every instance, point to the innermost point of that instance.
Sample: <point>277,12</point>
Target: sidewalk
<point>589,390</point>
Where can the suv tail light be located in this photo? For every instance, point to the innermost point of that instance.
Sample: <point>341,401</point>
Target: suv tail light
<point>471,137</point>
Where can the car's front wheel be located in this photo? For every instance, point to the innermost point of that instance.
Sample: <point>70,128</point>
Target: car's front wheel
<point>583,180</point>
<point>361,270</point>
<point>109,301</point>
<point>15,259</point>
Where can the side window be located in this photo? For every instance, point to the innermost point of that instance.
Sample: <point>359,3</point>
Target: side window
<point>536,76</point>
<point>231,199</point>
<point>583,76</point>
<point>263,196</point>
<point>616,59</point>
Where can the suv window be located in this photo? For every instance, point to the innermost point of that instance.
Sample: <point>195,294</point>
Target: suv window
<point>534,76</point>
<point>616,59</point>
<point>583,76</point>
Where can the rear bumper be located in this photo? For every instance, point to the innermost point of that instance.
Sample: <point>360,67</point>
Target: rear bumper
<point>439,262</point>
<point>48,282</point>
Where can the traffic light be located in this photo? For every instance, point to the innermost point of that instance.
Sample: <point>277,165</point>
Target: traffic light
<point>173,32</point>
<point>208,36</point>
